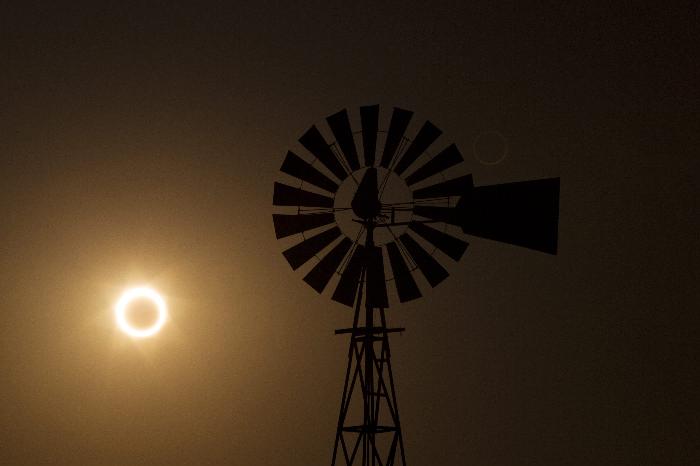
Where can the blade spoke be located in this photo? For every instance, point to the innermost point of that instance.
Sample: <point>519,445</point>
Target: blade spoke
<point>346,291</point>
<point>314,142</point>
<point>397,127</point>
<point>321,274</point>
<point>403,280</point>
<point>450,188</point>
<point>301,253</point>
<point>425,137</point>
<point>430,268</point>
<point>448,158</point>
<point>453,247</point>
<point>297,167</point>
<point>340,126</point>
<point>285,195</point>
<point>286,225</point>
<point>369,117</point>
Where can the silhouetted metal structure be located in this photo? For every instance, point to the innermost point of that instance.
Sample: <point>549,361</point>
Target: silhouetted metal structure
<point>521,213</point>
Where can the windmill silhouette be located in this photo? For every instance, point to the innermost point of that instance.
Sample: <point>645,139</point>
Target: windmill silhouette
<point>396,213</point>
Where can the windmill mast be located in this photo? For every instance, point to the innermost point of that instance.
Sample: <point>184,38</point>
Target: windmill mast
<point>378,439</point>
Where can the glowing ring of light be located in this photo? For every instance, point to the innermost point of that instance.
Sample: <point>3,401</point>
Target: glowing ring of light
<point>123,304</point>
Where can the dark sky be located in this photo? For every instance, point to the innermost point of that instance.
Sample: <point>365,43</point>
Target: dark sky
<point>140,144</point>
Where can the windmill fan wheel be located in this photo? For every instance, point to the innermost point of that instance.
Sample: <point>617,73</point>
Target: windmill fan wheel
<point>413,208</point>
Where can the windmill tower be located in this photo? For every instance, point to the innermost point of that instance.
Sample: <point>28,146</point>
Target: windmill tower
<point>394,217</point>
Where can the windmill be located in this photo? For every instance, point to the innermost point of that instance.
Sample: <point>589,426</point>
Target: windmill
<point>358,223</point>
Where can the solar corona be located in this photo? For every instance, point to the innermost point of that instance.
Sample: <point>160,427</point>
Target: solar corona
<point>121,311</point>
<point>376,228</point>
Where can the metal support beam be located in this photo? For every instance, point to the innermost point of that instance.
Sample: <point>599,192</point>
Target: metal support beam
<point>369,429</point>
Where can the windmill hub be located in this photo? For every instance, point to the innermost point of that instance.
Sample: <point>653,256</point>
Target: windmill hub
<point>393,192</point>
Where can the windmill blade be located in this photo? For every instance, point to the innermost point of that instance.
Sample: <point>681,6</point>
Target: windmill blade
<point>454,187</point>
<point>299,168</point>
<point>405,284</point>
<point>425,137</point>
<point>340,125</point>
<point>301,253</point>
<point>431,269</point>
<point>449,157</point>
<point>315,143</point>
<point>369,116</point>
<point>286,225</point>
<point>453,247</point>
<point>440,214</point>
<point>397,128</point>
<point>376,282</point>
<point>524,213</point>
<point>321,274</point>
<point>346,291</point>
<point>290,196</point>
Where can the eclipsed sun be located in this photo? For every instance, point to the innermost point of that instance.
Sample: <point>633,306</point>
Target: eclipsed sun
<point>135,312</point>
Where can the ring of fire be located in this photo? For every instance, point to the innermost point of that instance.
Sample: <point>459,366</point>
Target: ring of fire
<point>121,310</point>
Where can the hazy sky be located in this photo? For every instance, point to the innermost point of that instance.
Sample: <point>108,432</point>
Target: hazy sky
<point>140,144</point>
